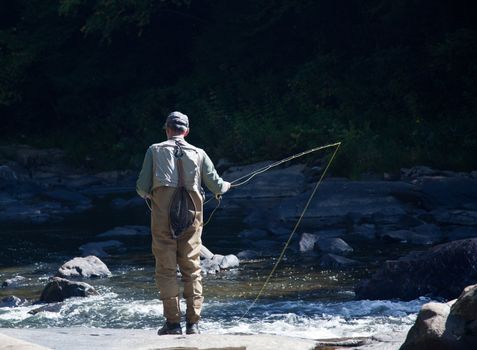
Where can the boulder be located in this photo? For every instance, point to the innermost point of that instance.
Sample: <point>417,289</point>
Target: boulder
<point>12,301</point>
<point>336,261</point>
<point>307,242</point>
<point>229,261</point>
<point>441,271</point>
<point>460,232</point>
<point>333,245</point>
<point>446,326</point>
<point>60,289</point>
<point>455,217</point>
<point>367,231</point>
<point>448,192</point>
<point>218,263</point>
<point>13,282</point>
<point>87,267</point>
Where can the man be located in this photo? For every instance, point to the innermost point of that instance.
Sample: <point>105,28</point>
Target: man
<point>171,177</point>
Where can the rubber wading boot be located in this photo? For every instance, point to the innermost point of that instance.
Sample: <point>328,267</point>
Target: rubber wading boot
<point>170,328</point>
<point>192,328</point>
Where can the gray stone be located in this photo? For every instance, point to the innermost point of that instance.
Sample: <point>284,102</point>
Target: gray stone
<point>336,261</point>
<point>87,267</point>
<point>333,245</point>
<point>229,261</point>
<point>12,301</point>
<point>60,289</point>
<point>100,249</point>
<point>446,326</point>
<point>13,282</point>
<point>307,242</point>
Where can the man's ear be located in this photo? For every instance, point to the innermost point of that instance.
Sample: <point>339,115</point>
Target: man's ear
<point>187,132</point>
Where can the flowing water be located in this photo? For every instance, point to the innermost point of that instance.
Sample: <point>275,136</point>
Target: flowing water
<point>301,300</point>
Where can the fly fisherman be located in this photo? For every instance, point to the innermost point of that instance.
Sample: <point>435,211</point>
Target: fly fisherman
<point>171,177</point>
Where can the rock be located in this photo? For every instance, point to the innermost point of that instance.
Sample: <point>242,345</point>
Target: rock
<point>406,236</point>
<point>205,253</point>
<point>460,232</point>
<point>218,263</point>
<point>60,289</point>
<point>418,171</point>
<point>253,234</point>
<point>7,175</point>
<point>449,192</point>
<point>249,255</point>
<point>446,326</point>
<point>307,242</point>
<point>333,245</point>
<point>87,267</point>
<point>367,231</point>
<point>56,307</point>
<point>12,301</point>
<point>441,271</point>
<point>128,230</point>
<point>13,282</point>
<point>455,217</point>
<point>99,248</point>
<point>339,201</point>
<point>336,261</point>
<point>229,261</point>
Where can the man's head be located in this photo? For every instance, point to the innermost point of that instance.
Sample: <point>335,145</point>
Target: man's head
<point>177,123</point>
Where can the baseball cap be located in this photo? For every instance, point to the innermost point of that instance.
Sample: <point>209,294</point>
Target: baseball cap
<point>177,120</point>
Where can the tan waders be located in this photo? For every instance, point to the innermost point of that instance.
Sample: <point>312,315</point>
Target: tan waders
<point>183,251</point>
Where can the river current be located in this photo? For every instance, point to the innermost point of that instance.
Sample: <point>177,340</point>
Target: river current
<point>302,300</point>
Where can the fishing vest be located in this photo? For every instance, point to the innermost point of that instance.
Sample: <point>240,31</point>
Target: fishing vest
<point>165,172</point>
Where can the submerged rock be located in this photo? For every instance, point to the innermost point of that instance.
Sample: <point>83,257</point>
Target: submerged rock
<point>60,289</point>
<point>87,267</point>
<point>12,301</point>
<point>336,261</point>
<point>441,271</point>
<point>446,326</point>
<point>13,282</point>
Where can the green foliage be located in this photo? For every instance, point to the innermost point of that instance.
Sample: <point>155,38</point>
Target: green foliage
<point>259,79</point>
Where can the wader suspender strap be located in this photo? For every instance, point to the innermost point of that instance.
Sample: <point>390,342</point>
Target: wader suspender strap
<point>182,210</point>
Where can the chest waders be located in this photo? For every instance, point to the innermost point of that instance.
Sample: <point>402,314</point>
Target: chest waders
<point>182,210</point>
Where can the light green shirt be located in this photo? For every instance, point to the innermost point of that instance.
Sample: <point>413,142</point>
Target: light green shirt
<point>210,178</point>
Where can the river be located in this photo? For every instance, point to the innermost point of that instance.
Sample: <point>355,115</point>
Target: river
<point>302,300</point>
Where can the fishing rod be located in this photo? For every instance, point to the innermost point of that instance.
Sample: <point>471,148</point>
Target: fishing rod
<point>337,145</point>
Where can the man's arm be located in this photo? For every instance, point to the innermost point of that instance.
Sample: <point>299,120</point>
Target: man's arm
<point>144,181</point>
<point>211,179</point>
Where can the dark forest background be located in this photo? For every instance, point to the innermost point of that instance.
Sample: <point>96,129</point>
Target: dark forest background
<point>395,81</point>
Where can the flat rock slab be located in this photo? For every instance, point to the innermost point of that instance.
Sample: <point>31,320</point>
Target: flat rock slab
<point>9,343</point>
<point>139,339</point>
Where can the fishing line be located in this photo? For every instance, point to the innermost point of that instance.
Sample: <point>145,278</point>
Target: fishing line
<point>297,223</point>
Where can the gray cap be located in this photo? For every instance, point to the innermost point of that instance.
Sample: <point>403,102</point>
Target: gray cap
<point>177,120</point>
